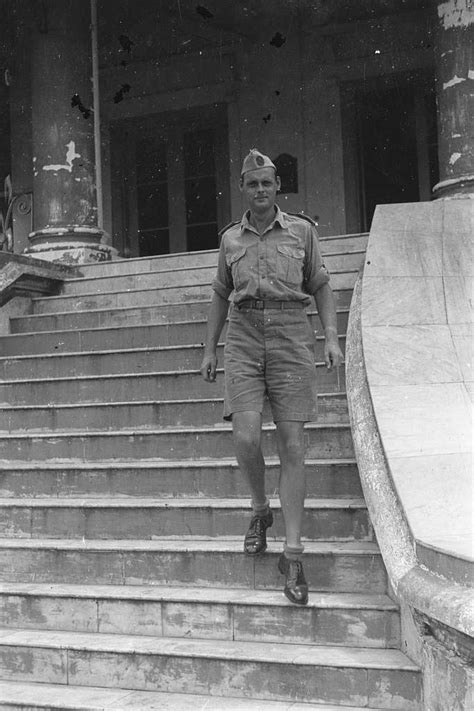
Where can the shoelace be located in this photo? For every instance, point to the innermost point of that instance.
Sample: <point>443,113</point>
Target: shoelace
<point>258,527</point>
<point>295,571</point>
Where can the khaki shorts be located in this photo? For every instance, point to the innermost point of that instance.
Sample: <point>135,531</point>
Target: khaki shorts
<point>270,353</point>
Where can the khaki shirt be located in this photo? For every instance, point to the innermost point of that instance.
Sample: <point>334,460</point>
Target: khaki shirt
<point>282,264</point>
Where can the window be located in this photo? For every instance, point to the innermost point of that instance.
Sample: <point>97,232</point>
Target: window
<point>200,189</point>
<point>171,189</point>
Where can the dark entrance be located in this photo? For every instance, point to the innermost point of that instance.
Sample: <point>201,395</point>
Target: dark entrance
<point>390,146</point>
<point>170,182</point>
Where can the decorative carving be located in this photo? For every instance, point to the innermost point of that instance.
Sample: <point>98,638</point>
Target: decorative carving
<point>21,204</point>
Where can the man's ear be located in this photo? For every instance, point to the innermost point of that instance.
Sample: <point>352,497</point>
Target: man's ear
<point>278,182</point>
<point>241,184</point>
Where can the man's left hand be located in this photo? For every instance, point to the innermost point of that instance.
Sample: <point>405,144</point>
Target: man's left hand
<point>333,355</point>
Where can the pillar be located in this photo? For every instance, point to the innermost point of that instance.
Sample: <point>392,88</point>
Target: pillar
<point>455,88</point>
<point>65,220</point>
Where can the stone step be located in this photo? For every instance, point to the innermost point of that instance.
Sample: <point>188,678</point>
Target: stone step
<point>121,338</point>
<point>155,294</point>
<point>351,566</point>
<point>109,362</point>
<point>332,407</point>
<point>322,441</point>
<point>107,318</point>
<point>130,316</point>
<point>132,387</point>
<point>146,518</point>
<point>344,243</point>
<point>189,274</point>
<point>329,245</point>
<point>351,620</point>
<point>157,262</point>
<point>120,300</point>
<point>24,696</point>
<point>284,672</point>
<point>326,478</point>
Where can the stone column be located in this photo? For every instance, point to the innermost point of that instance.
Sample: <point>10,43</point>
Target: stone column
<point>455,97</point>
<point>65,224</point>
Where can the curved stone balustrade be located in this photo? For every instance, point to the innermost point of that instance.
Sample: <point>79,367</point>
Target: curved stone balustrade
<point>409,374</point>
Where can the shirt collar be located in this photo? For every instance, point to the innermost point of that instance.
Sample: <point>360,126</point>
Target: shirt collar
<point>280,217</point>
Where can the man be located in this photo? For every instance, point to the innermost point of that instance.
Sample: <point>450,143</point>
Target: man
<point>272,263</point>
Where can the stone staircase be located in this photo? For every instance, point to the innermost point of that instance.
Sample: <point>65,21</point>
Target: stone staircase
<point>123,584</point>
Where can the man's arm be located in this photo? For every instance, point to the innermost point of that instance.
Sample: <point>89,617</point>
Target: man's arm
<point>215,323</point>
<point>327,313</point>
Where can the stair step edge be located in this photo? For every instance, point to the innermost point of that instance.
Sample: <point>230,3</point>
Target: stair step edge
<point>177,594</point>
<point>140,403</point>
<point>80,698</point>
<point>112,351</point>
<point>228,544</point>
<point>309,655</point>
<point>181,503</point>
<point>155,463</point>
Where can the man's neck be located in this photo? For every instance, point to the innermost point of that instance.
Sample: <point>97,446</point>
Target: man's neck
<point>263,220</point>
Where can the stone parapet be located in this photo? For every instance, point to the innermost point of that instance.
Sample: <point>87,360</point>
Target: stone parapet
<point>25,276</point>
<point>409,381</point>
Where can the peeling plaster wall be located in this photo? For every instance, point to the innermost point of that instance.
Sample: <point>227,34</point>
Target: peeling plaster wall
<point>456,13</point>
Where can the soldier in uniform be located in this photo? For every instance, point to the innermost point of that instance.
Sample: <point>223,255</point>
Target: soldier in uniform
<point>271,262</point>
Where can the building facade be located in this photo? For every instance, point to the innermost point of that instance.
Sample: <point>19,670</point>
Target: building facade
<point>126,122</point>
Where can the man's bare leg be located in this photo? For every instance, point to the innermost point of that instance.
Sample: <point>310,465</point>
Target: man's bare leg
<point>247,429</point>
<point>290,440</point>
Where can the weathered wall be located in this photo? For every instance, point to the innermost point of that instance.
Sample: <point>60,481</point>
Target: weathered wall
<point>282,96</point>
<point>280,77</point>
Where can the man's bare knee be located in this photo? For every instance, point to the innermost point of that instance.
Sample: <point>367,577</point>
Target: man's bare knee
<point>247,429</point>
<point>290,436</point>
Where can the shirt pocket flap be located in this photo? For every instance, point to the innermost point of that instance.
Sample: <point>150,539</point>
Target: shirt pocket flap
<point>289,251</point>
<point>235,256</point>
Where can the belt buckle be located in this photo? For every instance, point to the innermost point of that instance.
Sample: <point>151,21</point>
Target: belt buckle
<point>259,304</point>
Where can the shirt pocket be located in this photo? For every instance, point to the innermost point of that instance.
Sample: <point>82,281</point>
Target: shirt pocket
<point>290,261</point>
<point>235,262</point>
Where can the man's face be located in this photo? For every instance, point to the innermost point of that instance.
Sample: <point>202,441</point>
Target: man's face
<point>260,188</point>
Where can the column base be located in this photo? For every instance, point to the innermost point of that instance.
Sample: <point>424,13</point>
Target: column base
<point>455,187</point>
<point>70,245</point>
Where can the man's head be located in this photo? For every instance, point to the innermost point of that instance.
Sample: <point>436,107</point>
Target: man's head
<point>259,181</point>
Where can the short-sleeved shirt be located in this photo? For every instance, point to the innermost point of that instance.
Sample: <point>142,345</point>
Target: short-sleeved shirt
<point>282,264</point>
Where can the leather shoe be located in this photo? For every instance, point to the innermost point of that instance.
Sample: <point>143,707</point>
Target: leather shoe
<point>256,537</point>
<point>296,587</point>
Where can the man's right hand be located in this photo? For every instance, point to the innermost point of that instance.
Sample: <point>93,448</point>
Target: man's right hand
<point>209,367</point>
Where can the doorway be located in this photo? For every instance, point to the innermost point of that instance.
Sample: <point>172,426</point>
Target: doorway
<point>170,181</point>
<point>390,145</point>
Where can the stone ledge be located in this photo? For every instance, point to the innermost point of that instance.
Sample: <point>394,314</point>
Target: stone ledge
<point>27,276</point>
<point>435,596</point>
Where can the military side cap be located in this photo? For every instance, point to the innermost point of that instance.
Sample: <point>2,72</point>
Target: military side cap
<point>255,160</point>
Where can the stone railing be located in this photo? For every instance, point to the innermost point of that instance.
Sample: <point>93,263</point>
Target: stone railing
<point>22,278</point>
<point>408,382</point>
<point>27,276</point>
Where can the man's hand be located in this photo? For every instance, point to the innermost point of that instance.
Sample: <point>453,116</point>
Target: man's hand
<point>332,354</point>
<point>209,367</point>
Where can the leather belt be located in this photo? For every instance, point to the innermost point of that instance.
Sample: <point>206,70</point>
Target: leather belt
<point>264,304</point>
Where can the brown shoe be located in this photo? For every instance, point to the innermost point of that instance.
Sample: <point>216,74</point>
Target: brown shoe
<point>296,587</point>
<point>256,537</point>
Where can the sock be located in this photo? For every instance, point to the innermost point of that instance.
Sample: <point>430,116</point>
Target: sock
<point>261,508</point>
<point>293,552</point>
